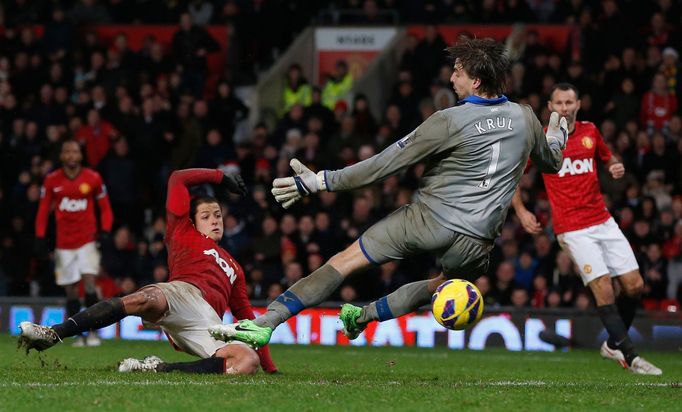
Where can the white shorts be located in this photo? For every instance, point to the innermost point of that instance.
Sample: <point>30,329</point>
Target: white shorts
<point>71,264</point>
<point>599,250</point>
<point>188,318</point>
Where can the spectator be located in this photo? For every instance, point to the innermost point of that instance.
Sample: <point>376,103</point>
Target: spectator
<point>293,272</point>
<point>348,294</point>
<point>430,55</point>
<point>201,12</point>
<point>96,136</point>
<point>624,104</point>
<point>89,12</point>
<point>191,45</point>
<point>257,284</point>
<point>654,268</point>
<point>227,111</point>
<point>540,292</point>
<point>338,85</point>
<point>119,258</point>
<point>58,36</point>
<point>519,298</point>
<point>504,284</point>
<point>119,170</point>
<point>524,270</point>
<point>658,105</point>
<point>296,88</point>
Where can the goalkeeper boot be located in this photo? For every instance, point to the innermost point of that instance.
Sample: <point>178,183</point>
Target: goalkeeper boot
<point>244,331</point>
<point>34,336</point>
<point>349,317</point>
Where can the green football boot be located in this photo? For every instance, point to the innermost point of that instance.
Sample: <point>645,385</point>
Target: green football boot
<point>349,317</point>
<point>244,331</point>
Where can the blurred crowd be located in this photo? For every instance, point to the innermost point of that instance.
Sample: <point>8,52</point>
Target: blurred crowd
<point>142,114</point>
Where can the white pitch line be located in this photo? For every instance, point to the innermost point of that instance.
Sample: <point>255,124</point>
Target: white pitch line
<point>478,384</point>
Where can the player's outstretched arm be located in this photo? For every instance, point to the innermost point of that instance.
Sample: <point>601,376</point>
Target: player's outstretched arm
<point>547,149</point>
<point>178,199</point>
<point>528,221</point>
<point>288,190</point>
<point>428,138</point>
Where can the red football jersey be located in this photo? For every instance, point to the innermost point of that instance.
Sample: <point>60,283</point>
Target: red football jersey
<point>656,110</point>
<point>574,192</point>
<point>200,261</point>
<point>74,207</point>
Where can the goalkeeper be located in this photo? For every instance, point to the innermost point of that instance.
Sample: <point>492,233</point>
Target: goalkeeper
<point>475,154</point>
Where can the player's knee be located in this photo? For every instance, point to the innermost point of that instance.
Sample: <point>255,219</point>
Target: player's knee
<point>349,260</point>
<point>142,302</point>
<point>249,364</point>
<point>634,287</point>
<point>135,303</point>
<point>241,361</point>
<point>602,288</point>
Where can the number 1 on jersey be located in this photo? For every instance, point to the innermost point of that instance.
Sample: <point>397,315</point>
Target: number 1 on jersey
<point>492,167</point>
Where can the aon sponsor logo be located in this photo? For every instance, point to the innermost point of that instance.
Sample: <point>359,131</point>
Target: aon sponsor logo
<point>576,167</point>
<point>229,271</point>
<point>73,205</point>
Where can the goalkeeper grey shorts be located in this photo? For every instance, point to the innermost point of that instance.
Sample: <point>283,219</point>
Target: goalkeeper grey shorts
<point>411,230</point>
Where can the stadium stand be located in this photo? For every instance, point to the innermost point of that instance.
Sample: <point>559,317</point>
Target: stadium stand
<point>162,94</point>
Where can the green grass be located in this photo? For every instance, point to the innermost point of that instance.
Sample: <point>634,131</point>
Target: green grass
<point>336,378</point>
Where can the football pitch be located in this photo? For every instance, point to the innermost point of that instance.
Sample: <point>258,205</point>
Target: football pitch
<point>320,378</point>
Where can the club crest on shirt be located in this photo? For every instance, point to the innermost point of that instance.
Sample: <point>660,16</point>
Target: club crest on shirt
<point>402,143</point>
<point>587,142</point>
<point>84,188</point>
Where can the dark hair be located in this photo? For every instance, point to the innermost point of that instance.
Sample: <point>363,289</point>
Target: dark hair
<point>69,141</point>
<point>483,59</point>
<point>199,200</point>
<point>564,87</point>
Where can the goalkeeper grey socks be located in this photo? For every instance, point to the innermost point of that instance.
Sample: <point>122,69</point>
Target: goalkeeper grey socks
<point>309,291</point>
<point>617,332</point>
<point>97,316</point>
<point>406,299</point>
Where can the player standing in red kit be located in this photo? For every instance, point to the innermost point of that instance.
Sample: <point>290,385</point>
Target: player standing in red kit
<point>586,230</point>
<point>204,281</point>
<point>73,190</point>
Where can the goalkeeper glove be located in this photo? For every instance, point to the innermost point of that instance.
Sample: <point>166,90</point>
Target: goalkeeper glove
<point>288,190</point>
<point>557,130</point>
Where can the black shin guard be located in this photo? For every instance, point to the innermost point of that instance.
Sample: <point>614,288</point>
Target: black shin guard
<point>208,365</point>
<point>95,317</point>
<point>91,299</point>
<point>617,332</point>
<point>627,307</point>
<point>73,306</point>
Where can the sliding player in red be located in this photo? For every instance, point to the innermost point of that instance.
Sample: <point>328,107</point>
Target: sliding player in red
<point>204,281</point>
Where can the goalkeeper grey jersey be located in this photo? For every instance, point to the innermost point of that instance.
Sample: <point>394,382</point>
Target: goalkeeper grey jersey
<point>475,154</point>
